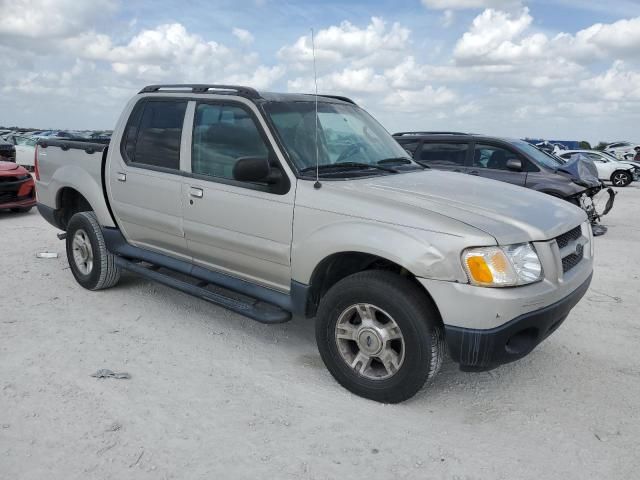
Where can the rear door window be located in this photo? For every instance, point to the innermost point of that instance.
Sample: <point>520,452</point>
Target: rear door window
<point>153,134</point>
<point>444,154</point>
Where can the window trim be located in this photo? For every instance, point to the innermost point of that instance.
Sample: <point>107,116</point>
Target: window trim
<point>136,108</point>
<point>281,188</point>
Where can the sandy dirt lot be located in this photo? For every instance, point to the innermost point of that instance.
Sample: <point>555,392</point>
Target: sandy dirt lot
<point>215,395</point>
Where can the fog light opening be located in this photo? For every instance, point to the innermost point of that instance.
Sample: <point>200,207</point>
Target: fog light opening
<point>522,342</point>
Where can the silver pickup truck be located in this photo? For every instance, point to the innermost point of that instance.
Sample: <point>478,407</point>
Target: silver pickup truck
<point>278,204</point>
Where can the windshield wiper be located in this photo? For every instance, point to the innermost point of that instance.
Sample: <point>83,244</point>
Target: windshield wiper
<point>399,161</point>
<point>348,166</point>
<point>422,164</point>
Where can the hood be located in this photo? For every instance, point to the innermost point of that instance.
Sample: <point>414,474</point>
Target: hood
<point>508,213</point>
<point>582,171</point>
<point>10,168</point>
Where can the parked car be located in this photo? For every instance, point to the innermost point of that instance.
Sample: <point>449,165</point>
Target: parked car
<point>621,149</point>
<point>508,160</point>
<point>17,188</point>
<point>391,258</point>
<point>25,149</point>
<point>7,151</point>
<point>618,173</point>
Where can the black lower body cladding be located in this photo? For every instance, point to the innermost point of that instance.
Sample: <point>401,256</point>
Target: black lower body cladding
<point>481,350</point>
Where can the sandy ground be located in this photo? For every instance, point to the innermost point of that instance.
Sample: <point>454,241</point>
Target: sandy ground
<point>215,395</point>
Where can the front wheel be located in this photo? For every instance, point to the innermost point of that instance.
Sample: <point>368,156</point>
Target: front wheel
<point>379,335</point>
<point>92,265</point>
<point>621,178</point>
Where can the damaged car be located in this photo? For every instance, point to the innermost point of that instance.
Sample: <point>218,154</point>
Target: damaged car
<point>17,188</point>
<point>512,161</point>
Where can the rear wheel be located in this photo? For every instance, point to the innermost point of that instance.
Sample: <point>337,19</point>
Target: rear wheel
<point>621,178</point>
<point>379,335</point>
<point>91,263</point>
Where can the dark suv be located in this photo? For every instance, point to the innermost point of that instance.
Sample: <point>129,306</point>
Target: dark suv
<point>507,160</point>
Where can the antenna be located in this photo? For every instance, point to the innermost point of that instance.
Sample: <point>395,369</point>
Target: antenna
<point>316,185</point>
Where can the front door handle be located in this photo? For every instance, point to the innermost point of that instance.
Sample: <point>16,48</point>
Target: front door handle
<point>474,172</point>
<point>122,177</point>
<point>196,192</point>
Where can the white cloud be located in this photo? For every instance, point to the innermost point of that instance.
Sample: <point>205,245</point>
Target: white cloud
<point>469,4</point>
<point>370,46</point>
<point>498,37</point>
<point>243,35</point>
<point>491,37</point>
<point>619,83</point>
<point>420,101</point>
<point>502,76</point>
<point>49,18</point>
<point>171,53</point>
<point>448,17</point>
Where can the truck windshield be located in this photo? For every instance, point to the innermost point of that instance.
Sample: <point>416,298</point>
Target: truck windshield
<point>347,136</point>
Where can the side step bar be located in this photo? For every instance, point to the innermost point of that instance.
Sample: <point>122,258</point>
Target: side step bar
<point>255,309</point>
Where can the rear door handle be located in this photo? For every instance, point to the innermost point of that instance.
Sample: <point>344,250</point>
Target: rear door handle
<point>122,177</point>
<point>196,192</point>
<point>474,172</point>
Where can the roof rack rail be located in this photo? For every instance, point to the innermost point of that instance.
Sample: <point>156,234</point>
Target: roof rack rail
<point>202,88</point>
<point>399,134</point>
<point>337,97</point>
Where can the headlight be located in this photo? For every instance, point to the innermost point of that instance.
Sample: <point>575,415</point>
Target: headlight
<point>502,266</point>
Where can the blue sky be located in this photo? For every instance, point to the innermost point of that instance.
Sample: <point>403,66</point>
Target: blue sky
<point>551,69</point>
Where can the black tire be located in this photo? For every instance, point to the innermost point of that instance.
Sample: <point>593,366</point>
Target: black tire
<point>620,178</point>
<point>413,312</point>
<point>104,272</point>
<point>21,210</point>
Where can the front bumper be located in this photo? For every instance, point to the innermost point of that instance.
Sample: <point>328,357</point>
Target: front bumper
<point>17,193</point>
<point>480,350</point>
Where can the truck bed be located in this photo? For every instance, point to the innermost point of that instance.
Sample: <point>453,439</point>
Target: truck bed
<point>75,164</point>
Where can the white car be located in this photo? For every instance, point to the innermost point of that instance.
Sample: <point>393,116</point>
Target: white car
<point>621,149</point>
<point>609,169</point>
<point>25,149</point>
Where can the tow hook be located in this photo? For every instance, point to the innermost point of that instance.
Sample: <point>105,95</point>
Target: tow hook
<point>61,236</point>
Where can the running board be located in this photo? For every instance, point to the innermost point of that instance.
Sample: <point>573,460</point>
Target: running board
<point>255,309</point>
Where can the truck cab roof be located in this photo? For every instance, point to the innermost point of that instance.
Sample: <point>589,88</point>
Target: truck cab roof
<point>243,91</point>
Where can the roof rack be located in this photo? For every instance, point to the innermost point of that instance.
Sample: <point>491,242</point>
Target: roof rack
<point>337,97</point>
<point>202,88</point>
<point>400,134</point>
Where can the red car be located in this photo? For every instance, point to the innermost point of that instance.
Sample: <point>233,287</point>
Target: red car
<point>17,188</point>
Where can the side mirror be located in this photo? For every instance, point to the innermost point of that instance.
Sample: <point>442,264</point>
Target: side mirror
<point>251,169</point>
<point>256,169</point>
<point>514,164</point>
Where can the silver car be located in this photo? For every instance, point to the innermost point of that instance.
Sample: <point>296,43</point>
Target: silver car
<point>274,205</point>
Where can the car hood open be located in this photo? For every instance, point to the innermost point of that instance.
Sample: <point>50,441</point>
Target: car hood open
<point>509,213</point>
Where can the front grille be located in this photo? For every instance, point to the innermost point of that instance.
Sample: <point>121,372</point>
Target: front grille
<point>564,239</point>
<point>9,188</point>
<point>572,260</point>
<point>8,197</point>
